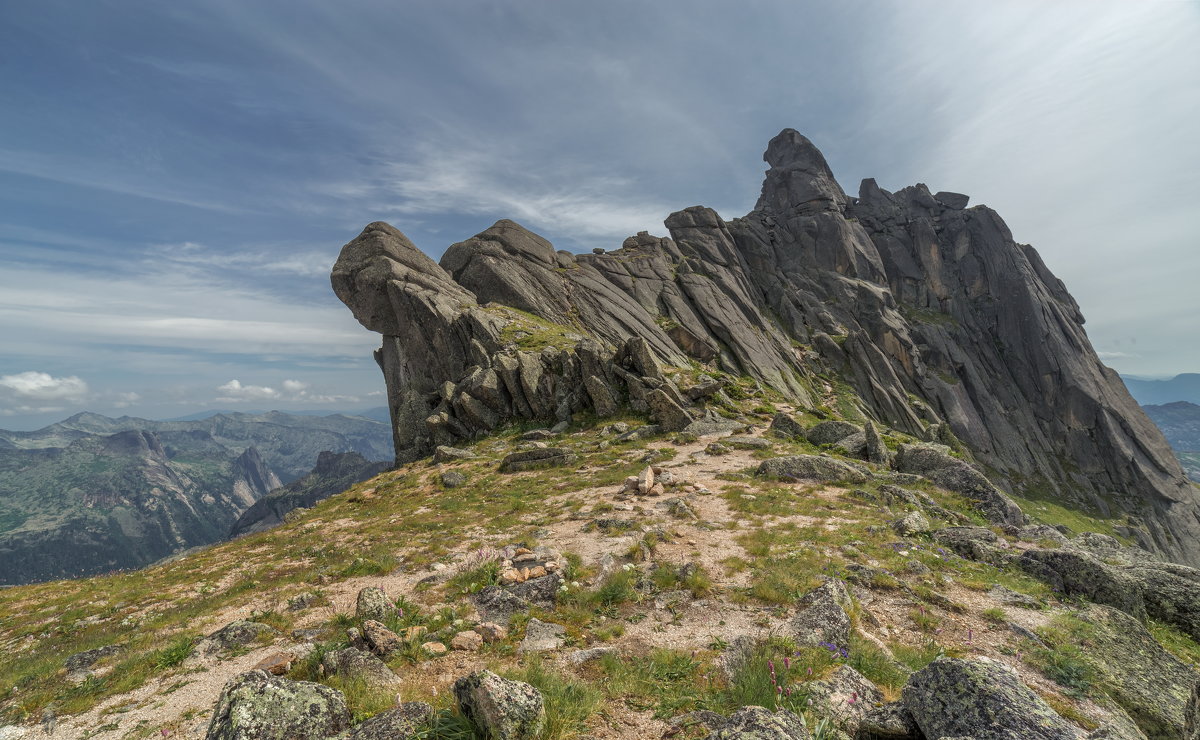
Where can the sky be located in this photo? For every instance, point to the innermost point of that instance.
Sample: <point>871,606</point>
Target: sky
<point>176,179</point>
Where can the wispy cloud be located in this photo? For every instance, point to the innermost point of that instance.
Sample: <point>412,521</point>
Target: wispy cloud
<point>40,386</point>
<point>290,390</point>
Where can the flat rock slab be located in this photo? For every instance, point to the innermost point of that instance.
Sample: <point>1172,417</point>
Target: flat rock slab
<point>535,459</point>
<point>542,636</point>
<point>810,467</point>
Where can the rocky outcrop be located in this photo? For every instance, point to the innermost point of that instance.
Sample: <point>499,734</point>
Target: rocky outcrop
<point>334,473</point>
<point>944,326</point>
<point>982,699</point>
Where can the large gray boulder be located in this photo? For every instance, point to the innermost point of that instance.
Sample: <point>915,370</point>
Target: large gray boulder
<point>979,698</point>
<point>1076,573</point>
<point>1152,685</point>
<point>499,708</point>
<point>830,432</point>
<point>259,706</point>
<point>810,467</point>
<point>935,462</point>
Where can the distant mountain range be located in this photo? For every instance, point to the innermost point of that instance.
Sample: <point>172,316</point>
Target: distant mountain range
<point>289,443</point>
<point>1180,424</point>
<point>91,494</point>
<point>1182,387</point>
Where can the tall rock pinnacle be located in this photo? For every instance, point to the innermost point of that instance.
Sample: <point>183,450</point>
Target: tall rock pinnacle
<point>928,309</point>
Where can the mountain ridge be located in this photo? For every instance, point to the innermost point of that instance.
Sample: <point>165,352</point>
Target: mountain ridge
<point>937,320</point>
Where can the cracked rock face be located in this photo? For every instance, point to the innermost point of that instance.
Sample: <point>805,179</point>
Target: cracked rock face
<point>930,310</point>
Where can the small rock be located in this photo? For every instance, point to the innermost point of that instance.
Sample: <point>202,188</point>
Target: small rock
<point>453,479</point>
<point>496,604</point>
<point>276,664</point>
<point>499,708</point>
<point>679,509</point>
<point>821,616</point>
<point>542,636</point>
<point>381,640</point>
<point>301,601</point>
<point>645,480</point>
<point>913,523</point>
<point>739,442</point>
<point>88,658</point>
<point>415,632</point>
<point>434,648</point>
<point>579,657</point>
<point>491,632</point>
<point>536,435</point>
<point>467,640</point>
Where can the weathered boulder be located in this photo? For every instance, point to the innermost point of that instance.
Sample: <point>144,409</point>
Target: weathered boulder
<point>1077,573</point>
<point>1152,685</point>
<point>786,426</point>
<point>259,706</point>
<point>381,640</point>
<point>972,543</point>
<point>373,603</point>
<point>891,721</point>
<point>496,604</point>
<point>1171,594</point>
<point>446,454</point>
<point>935,462</point>
<point>757,723</point>
<point>500,708</point>
<point>874,449</point>
<point>356,665</point>
<point>979,698</point>
<point>830,432</point>
<point>235,634</point>
<point>403,721</point>
<point>810,467</point>
<point>668,414</point>
<point>821,616</point>
<point>911,524</point>
<point>846,695</point>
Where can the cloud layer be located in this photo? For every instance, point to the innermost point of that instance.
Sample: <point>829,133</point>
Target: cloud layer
<point>175,181</point>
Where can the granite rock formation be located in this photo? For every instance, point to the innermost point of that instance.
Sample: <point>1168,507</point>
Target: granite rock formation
<point>929,310</point>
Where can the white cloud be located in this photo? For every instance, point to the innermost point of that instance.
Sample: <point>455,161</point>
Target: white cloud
<point>294,391</point>
<point>234,391</point>
<point>124,400</point>
<point>44,387</point>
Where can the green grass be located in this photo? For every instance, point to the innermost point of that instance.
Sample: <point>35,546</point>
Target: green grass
<point>569,702</point>
<point>1063,658</point>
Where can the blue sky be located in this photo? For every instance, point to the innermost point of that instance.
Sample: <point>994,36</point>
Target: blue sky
<point>177,178</point>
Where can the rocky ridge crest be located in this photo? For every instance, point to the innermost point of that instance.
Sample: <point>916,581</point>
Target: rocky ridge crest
<point>936,319</point>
